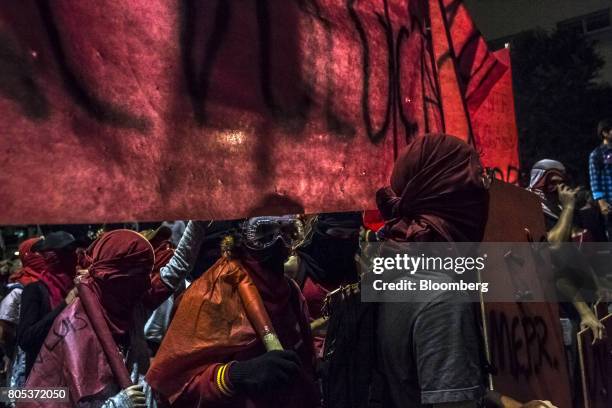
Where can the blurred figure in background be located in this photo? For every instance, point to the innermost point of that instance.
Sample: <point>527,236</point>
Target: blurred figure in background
<point>209,252</point>
<point>600,170</point>
<point>33,265</point>
<point>177,228</point>
<point>561,205</point>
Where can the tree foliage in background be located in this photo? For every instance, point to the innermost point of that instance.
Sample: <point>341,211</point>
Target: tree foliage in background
<point>558,98</point>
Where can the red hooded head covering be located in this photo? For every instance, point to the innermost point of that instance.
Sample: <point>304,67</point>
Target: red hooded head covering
<point>33,264</point>
<point>75,355</point>
<point>437,192</point>
<point>119,274</point>
<point>159,291</point>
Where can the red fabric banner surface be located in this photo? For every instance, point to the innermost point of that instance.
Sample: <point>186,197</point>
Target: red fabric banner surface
<point>157,109</point>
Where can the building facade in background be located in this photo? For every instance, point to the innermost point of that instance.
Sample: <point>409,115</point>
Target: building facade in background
<point>500,20</point>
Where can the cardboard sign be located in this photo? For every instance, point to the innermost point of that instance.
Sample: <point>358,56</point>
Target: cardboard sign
<point>524,340</point>
<point>156,109</point>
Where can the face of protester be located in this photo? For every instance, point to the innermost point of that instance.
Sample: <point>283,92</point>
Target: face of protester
<point>607,136</point>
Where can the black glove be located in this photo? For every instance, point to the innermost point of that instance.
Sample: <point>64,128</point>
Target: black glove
<point>264,373</point>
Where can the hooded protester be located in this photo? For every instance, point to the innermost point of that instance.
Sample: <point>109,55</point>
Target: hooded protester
<point>425,353</point>
<point>437,193</point>
<point>546,175</point>
<point>549,181</point>
<point>567,218</point>
<point>566,214</point>
<point>326,261</point>
<point>212,356</point>
<point>33,264</point>
<point>93,332</point>
<point>44,299</point>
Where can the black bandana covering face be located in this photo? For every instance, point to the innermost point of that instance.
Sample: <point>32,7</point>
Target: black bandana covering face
<point>329,256</point>
<point>261,233</point>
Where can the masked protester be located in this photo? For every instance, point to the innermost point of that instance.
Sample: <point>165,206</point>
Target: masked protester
<point>437,193</point>
<point>565,214</point>
<point>561,205</point>
<point>44,299</point>
<point>326,261</point>
<point>33,264</point>
<point>426,353</point>
<point>580,221</point>
<point>92,334</point>
<point>212,355</point>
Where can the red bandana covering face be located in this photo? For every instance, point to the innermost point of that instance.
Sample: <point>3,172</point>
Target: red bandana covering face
<point>33,264</point>
<point>72,355</point>
<point>437,192</point>
<point>119,274</point>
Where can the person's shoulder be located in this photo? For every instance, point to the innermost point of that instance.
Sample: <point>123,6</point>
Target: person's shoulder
<point>34,287</point>
<point>35,290</point>
<point>14,294</point>
<point>595,152</point>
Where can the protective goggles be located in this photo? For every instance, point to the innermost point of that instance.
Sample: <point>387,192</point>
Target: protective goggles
<point>263,232</point>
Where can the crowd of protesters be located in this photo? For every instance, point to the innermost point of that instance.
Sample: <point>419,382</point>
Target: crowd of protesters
<point>230,313</point>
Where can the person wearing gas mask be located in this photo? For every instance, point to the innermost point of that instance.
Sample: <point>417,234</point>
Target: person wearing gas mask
<point>214,355</point>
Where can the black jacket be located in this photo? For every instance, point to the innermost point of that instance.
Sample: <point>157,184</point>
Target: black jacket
<point>35,320</point>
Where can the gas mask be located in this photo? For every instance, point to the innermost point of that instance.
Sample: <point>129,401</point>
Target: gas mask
<point>260,233</point>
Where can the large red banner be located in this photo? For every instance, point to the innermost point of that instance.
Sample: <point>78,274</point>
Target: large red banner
<point>159,109</point>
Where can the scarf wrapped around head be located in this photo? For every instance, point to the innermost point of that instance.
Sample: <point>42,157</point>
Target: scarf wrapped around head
<point>540,183</point>
<point>119,274</point>
<point>75,353</point>
<point>33,264</point>
<point>543,171</point>
<point>437,192</point>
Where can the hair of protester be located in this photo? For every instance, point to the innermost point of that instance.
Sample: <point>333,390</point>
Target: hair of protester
<point>604,125</point>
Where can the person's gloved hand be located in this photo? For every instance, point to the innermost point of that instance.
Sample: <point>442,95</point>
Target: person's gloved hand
<point>136,395</point>
<point>261,374</point>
